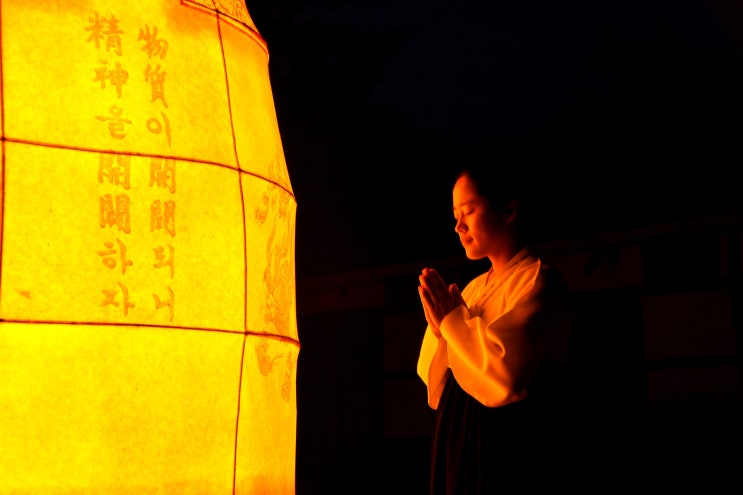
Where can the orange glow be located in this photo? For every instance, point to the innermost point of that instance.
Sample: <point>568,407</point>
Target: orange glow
<point>148,334</point>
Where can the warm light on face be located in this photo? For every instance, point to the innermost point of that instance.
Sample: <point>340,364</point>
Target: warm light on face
<point>148,334</point>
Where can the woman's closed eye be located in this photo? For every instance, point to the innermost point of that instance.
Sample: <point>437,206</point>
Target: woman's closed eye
<point>463,213</point>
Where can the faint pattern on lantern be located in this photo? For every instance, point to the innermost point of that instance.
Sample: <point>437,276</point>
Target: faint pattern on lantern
<point>147,244</point>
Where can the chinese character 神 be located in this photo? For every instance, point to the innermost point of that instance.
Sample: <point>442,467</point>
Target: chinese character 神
<point>117,76</point>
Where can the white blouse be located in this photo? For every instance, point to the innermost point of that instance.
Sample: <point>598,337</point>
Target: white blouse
<point>495,343</point>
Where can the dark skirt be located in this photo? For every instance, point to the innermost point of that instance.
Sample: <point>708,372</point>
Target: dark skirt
<point>485,450</point>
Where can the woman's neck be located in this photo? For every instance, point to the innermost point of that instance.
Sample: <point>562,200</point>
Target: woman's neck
<point>504,255</point>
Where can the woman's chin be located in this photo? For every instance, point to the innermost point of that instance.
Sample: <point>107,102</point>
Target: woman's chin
<point>472,254</point>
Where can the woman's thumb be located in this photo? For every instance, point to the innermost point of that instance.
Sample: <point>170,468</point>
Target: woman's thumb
<point>454,291</point>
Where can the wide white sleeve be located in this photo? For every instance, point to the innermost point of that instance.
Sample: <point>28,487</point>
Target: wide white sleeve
<point>494,361</point>
<point>432,365</point>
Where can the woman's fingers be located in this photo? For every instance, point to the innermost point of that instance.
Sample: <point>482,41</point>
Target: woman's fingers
<point>437,297</point>
<point>432,281</point>
<point>454,291</point>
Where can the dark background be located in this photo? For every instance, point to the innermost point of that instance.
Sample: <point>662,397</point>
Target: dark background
<point>626,111</point>
<point>625,115</point>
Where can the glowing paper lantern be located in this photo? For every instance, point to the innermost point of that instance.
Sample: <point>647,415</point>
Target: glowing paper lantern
<point>148,337</point>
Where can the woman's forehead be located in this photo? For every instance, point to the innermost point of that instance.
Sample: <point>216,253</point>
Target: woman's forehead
<point>464,191</point>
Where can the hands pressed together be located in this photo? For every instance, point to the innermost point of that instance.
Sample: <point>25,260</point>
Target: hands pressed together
<point>438,298</point>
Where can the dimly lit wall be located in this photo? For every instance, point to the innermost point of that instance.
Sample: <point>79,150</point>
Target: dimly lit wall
<point>657,356</point>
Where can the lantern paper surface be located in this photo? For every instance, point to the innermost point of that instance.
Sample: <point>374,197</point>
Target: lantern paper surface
<point>148,336</point>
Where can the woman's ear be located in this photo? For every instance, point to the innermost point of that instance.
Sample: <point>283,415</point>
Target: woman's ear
<point>511,210</point>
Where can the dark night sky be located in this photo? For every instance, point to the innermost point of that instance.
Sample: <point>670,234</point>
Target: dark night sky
<point>624,113</point>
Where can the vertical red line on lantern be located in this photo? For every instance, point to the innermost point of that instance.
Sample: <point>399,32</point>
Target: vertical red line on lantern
<point>218,17</point>
<point>237,416</point>
<point>227,89</point>
<point>2,155</point>
<point>245,254</point>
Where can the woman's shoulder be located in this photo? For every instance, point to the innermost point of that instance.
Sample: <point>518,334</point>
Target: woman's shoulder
<point>552,284</point>
<point>543,274</point>
<point>526,266</point>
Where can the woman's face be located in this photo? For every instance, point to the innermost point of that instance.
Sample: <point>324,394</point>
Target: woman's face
<point>480,228</point>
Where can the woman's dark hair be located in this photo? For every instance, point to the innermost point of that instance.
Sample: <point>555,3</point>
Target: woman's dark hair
<point>501,184</point>
<point>495,183</point>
